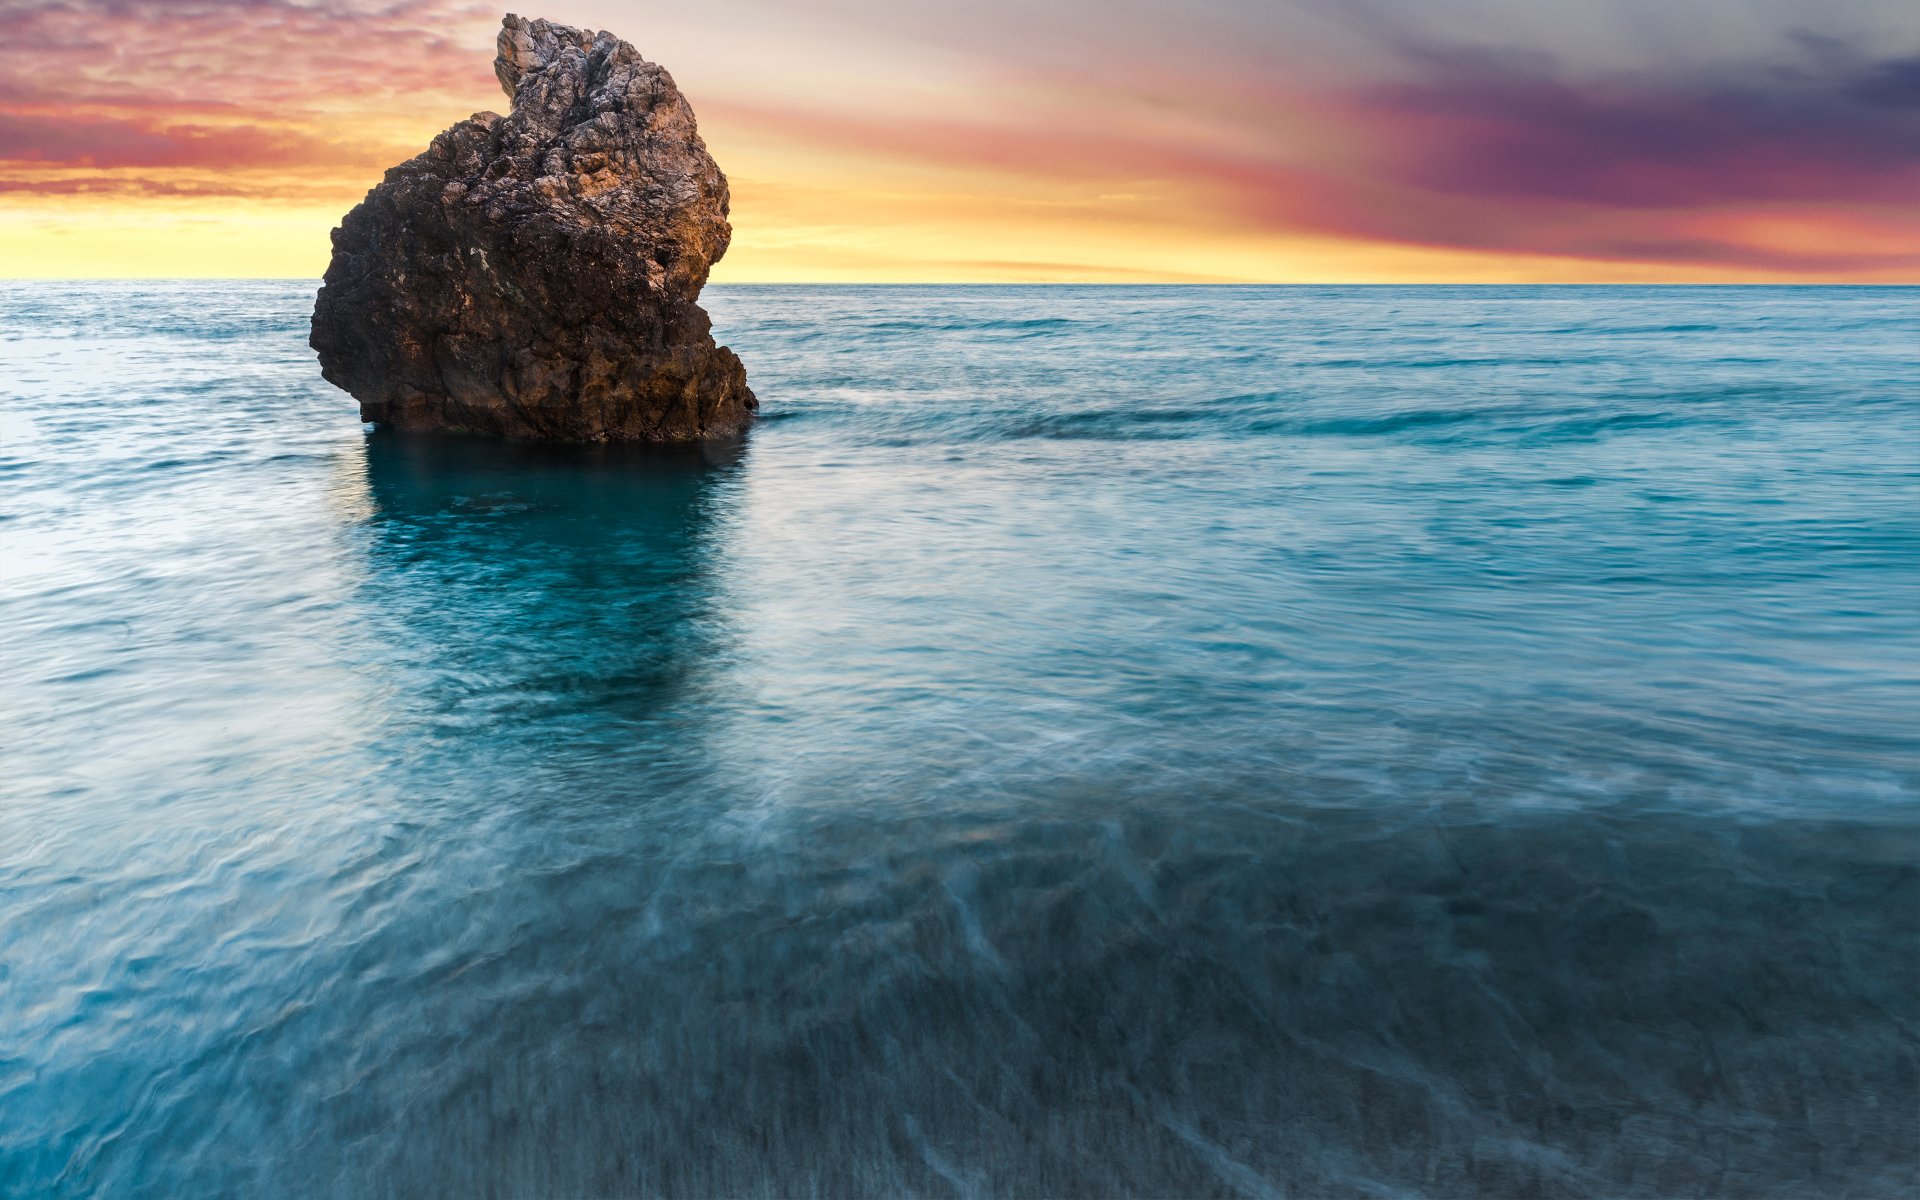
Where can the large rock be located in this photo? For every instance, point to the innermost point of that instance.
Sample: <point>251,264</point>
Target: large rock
<point>535,275</point>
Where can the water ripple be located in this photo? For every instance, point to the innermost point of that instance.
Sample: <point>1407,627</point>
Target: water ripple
<point>1102,741</point>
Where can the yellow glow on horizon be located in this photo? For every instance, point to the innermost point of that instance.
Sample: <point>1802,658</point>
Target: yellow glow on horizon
<point>277,241</point>
<point>92,240</point>
<point>803,215</point>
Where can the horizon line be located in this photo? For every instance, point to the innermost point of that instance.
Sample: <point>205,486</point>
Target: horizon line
<point>1079,283</point>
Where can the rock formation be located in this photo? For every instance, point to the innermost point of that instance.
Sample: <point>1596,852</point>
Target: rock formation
<point>536,275</point>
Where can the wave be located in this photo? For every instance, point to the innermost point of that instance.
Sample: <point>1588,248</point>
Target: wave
<point>1248,417</point>
<point>931,326</point>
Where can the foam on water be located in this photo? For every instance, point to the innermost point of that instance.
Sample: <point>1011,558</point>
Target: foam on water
<point>1085,741</point>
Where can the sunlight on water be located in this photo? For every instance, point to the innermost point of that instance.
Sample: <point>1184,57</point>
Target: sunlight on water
<point>1085,741</point>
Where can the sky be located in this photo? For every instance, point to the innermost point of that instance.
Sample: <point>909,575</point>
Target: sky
<point>1029,140</point>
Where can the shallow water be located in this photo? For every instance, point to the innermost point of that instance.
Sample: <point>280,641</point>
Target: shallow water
<point>1084,741</point>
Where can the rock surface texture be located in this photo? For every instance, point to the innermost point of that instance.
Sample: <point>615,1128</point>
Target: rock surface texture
<point>536,275</point>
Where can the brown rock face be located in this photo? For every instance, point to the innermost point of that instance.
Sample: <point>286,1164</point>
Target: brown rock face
<point>535,275</point>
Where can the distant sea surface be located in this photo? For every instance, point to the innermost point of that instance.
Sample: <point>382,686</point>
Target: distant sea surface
<point>1084,741</point>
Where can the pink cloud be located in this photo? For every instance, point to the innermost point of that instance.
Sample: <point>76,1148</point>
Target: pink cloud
<point>231,90</point>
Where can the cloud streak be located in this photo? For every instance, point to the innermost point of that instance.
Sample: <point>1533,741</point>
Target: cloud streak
<point>1773,133</point>
<point>247,95</point>
<point>1475,152</point>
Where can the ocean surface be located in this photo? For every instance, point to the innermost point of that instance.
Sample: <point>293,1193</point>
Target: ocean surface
<point>1084,741</point>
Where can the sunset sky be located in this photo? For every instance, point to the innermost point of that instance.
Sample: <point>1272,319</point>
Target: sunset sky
<point>1228,140</point>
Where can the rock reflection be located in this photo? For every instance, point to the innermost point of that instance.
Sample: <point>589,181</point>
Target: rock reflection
<point>567,589</point>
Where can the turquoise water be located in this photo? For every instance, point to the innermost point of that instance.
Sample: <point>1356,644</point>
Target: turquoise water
<point>1092,741</point>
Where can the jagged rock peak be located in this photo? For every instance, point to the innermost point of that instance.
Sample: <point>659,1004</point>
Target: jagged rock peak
<point>529,45</point>
<point>536,275</point>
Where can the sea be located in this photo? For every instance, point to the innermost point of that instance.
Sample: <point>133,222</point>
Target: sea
<point>1083,741</point>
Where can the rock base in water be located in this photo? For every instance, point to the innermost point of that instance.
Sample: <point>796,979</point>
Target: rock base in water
<point>536,275</point>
